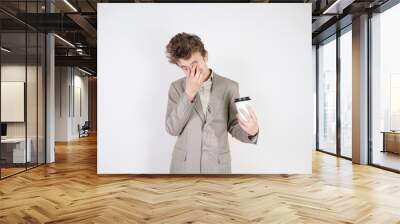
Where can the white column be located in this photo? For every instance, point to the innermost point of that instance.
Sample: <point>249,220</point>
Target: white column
<point>50,91</point>
<point>360,90</point>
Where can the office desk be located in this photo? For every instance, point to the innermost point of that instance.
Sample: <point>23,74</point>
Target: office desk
<point>13,150</point>
<point>391,141</point>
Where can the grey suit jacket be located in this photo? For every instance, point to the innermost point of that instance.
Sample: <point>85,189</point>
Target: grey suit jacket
<point>202,143</point>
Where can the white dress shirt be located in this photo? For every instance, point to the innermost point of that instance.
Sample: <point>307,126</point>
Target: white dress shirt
<point>204,93</point>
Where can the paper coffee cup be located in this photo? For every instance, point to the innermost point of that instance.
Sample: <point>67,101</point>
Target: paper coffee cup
<point>242,102</point>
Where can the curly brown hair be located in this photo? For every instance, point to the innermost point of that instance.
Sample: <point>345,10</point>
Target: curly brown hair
<point>183,45</point>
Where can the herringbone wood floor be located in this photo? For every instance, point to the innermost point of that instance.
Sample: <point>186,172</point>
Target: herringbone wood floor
<point>70,191</point>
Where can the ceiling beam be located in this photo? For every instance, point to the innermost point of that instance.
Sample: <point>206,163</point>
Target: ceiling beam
<point>83,61</point>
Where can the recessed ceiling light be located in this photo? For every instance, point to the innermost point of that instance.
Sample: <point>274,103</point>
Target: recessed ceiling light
<point>5,50</point>
<point>331,7</point>
<point>84,71</point>
<point>338,6</point>
<point>70,5</point>
<point>64,40</point>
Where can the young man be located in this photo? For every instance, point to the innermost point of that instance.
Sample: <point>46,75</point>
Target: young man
<point>201,111</point>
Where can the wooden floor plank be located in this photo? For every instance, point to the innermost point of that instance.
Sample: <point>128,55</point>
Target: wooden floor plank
<point>70,191</point>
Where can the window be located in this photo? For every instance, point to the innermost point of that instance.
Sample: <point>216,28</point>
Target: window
<point>346,94</point>
<point>327,96</point>
<point>385,89</point>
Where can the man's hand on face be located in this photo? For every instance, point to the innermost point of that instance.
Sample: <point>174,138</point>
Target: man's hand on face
<point>194,79</point>
<point>250,125</point>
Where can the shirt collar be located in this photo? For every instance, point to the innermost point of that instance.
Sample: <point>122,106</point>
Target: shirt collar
<point>208,82</point>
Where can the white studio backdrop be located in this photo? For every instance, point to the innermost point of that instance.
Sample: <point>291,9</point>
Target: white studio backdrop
<point>265,47</point>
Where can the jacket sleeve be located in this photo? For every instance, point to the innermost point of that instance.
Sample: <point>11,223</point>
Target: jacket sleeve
<point>179,109</point>
<point>233,124</point>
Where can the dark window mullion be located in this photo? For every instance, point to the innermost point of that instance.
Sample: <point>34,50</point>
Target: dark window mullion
<point>338,92</point>
<point>369,90</point>
<point>317,95</point>
<point>26,86</point>
<point>37,89</point>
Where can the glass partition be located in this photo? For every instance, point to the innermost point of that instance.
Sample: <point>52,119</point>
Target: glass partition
<point>22,101</point>
<point>41,97</point>
<point>14,153</point>
<point>327,96</point>
<point>32,95</point>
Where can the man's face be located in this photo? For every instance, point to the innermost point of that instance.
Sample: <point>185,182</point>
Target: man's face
<point>188,65</point>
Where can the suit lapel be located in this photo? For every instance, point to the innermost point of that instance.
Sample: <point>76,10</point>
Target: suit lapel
<point>199,108</point>
<point>214,98</point>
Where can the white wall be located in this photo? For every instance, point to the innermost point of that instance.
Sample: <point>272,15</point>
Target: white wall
<point>265,47</point>
<point>68,81</point>
<point>61,103</point>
